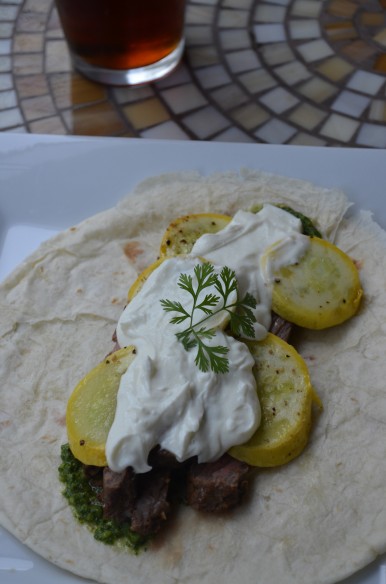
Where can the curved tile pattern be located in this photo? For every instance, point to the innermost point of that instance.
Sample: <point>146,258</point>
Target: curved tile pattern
<point>275,71</point>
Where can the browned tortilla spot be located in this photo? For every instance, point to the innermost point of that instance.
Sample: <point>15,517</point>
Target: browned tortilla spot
<point>358,264</point>
<point>132,250</point>
<point>61,420</point>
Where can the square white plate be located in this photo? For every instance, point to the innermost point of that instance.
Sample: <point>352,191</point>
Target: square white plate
<point>48,183</point>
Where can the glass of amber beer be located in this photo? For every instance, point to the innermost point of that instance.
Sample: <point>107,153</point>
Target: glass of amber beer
<point>123,42</point>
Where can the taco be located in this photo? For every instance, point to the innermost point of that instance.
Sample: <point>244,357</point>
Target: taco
<point>317,519</point>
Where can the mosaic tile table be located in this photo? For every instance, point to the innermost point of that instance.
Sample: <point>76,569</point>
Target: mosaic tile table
<point>277,71</point>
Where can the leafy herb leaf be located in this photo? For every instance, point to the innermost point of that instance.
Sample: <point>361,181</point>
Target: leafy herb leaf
<point>242,318</point>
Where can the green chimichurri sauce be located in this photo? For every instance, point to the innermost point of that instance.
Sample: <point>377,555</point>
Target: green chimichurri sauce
<point>87,508</point>
<point>308,227</point>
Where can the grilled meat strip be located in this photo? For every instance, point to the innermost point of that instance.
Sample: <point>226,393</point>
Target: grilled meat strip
<point>119,493</point>
<point>216,486</point>
<point>151,507</point>
<point>142,498</point>
<point>280,327</point>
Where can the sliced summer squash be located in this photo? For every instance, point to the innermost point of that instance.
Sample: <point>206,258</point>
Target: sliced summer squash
<point>91,407</point>
<point>143,276</point>
<point>322,290</point>
<point>286,396</point>
<point>183,232</point>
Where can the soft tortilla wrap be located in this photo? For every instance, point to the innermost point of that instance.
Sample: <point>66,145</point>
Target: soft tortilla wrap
<point>315,520</point>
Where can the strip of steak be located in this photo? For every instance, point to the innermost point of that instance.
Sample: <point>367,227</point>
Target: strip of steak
<point>162,458</point>
<point>151,507</point>
<point>216,486</point>
<point>280,327</point>
<point>119,493</point>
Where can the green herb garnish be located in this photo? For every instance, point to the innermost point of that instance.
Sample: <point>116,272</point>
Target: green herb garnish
<point>240,313</point>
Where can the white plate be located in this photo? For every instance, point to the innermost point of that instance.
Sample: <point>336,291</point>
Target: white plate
<point>48,183</point>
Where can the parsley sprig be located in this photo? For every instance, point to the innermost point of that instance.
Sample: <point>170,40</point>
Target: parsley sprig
<point>195,335</point>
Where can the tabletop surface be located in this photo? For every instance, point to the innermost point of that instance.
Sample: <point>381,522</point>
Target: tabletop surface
<point>304,72</point>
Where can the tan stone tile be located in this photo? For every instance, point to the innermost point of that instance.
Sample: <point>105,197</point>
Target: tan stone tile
<point>315,50</point>
<point>71,89</point>
<point>308,8</point>
<point>359,51</point>
<point>37,107</point>
<point>339,127</point>
<point>231,18</point>
<point>378,111</point>
<point>28,64</point>
<point>94,120</point>
<point>229,96</point>
<point>183,98</point>
<point>199,14</point>
<point>165,131</point>
<point>53,125</point>
<point>380,37</point>
<point>303,139</point>
<point>31,22</point>
<point>250,116</point>
<point>307,116</point>
<point>342,8</point>
<point>256,81</point>
<point>37,6</point>
<point>198,35</point>
<point>31,85</point>
<point>54,28</point>
<point>317,89</point>
<point>57,57</point>
<point>206,122</point>
<point>340,31</point>
<point>130,94</point>
<point>85,91</point>
<point>145,114</point>
<point>27,43</point>
<point>201,56</point>
<point>335,68</point>
<point>372,19</point>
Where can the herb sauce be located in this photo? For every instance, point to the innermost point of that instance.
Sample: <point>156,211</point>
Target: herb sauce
<point>87,508</point>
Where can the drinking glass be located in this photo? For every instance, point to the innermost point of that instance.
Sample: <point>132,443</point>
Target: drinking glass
<point>123,42</point>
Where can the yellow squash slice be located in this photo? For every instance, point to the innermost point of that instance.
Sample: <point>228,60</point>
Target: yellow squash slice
<point>322,290</point>
<point>286,396</point>
<point>91,407</point>
<point>143,276</point>
<point>183,232</point>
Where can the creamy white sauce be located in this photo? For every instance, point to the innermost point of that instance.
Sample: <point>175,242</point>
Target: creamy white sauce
<point>242,246</point>
<point>163,397</point>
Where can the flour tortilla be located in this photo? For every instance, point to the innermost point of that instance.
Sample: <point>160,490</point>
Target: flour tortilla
<point>316,520</point>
